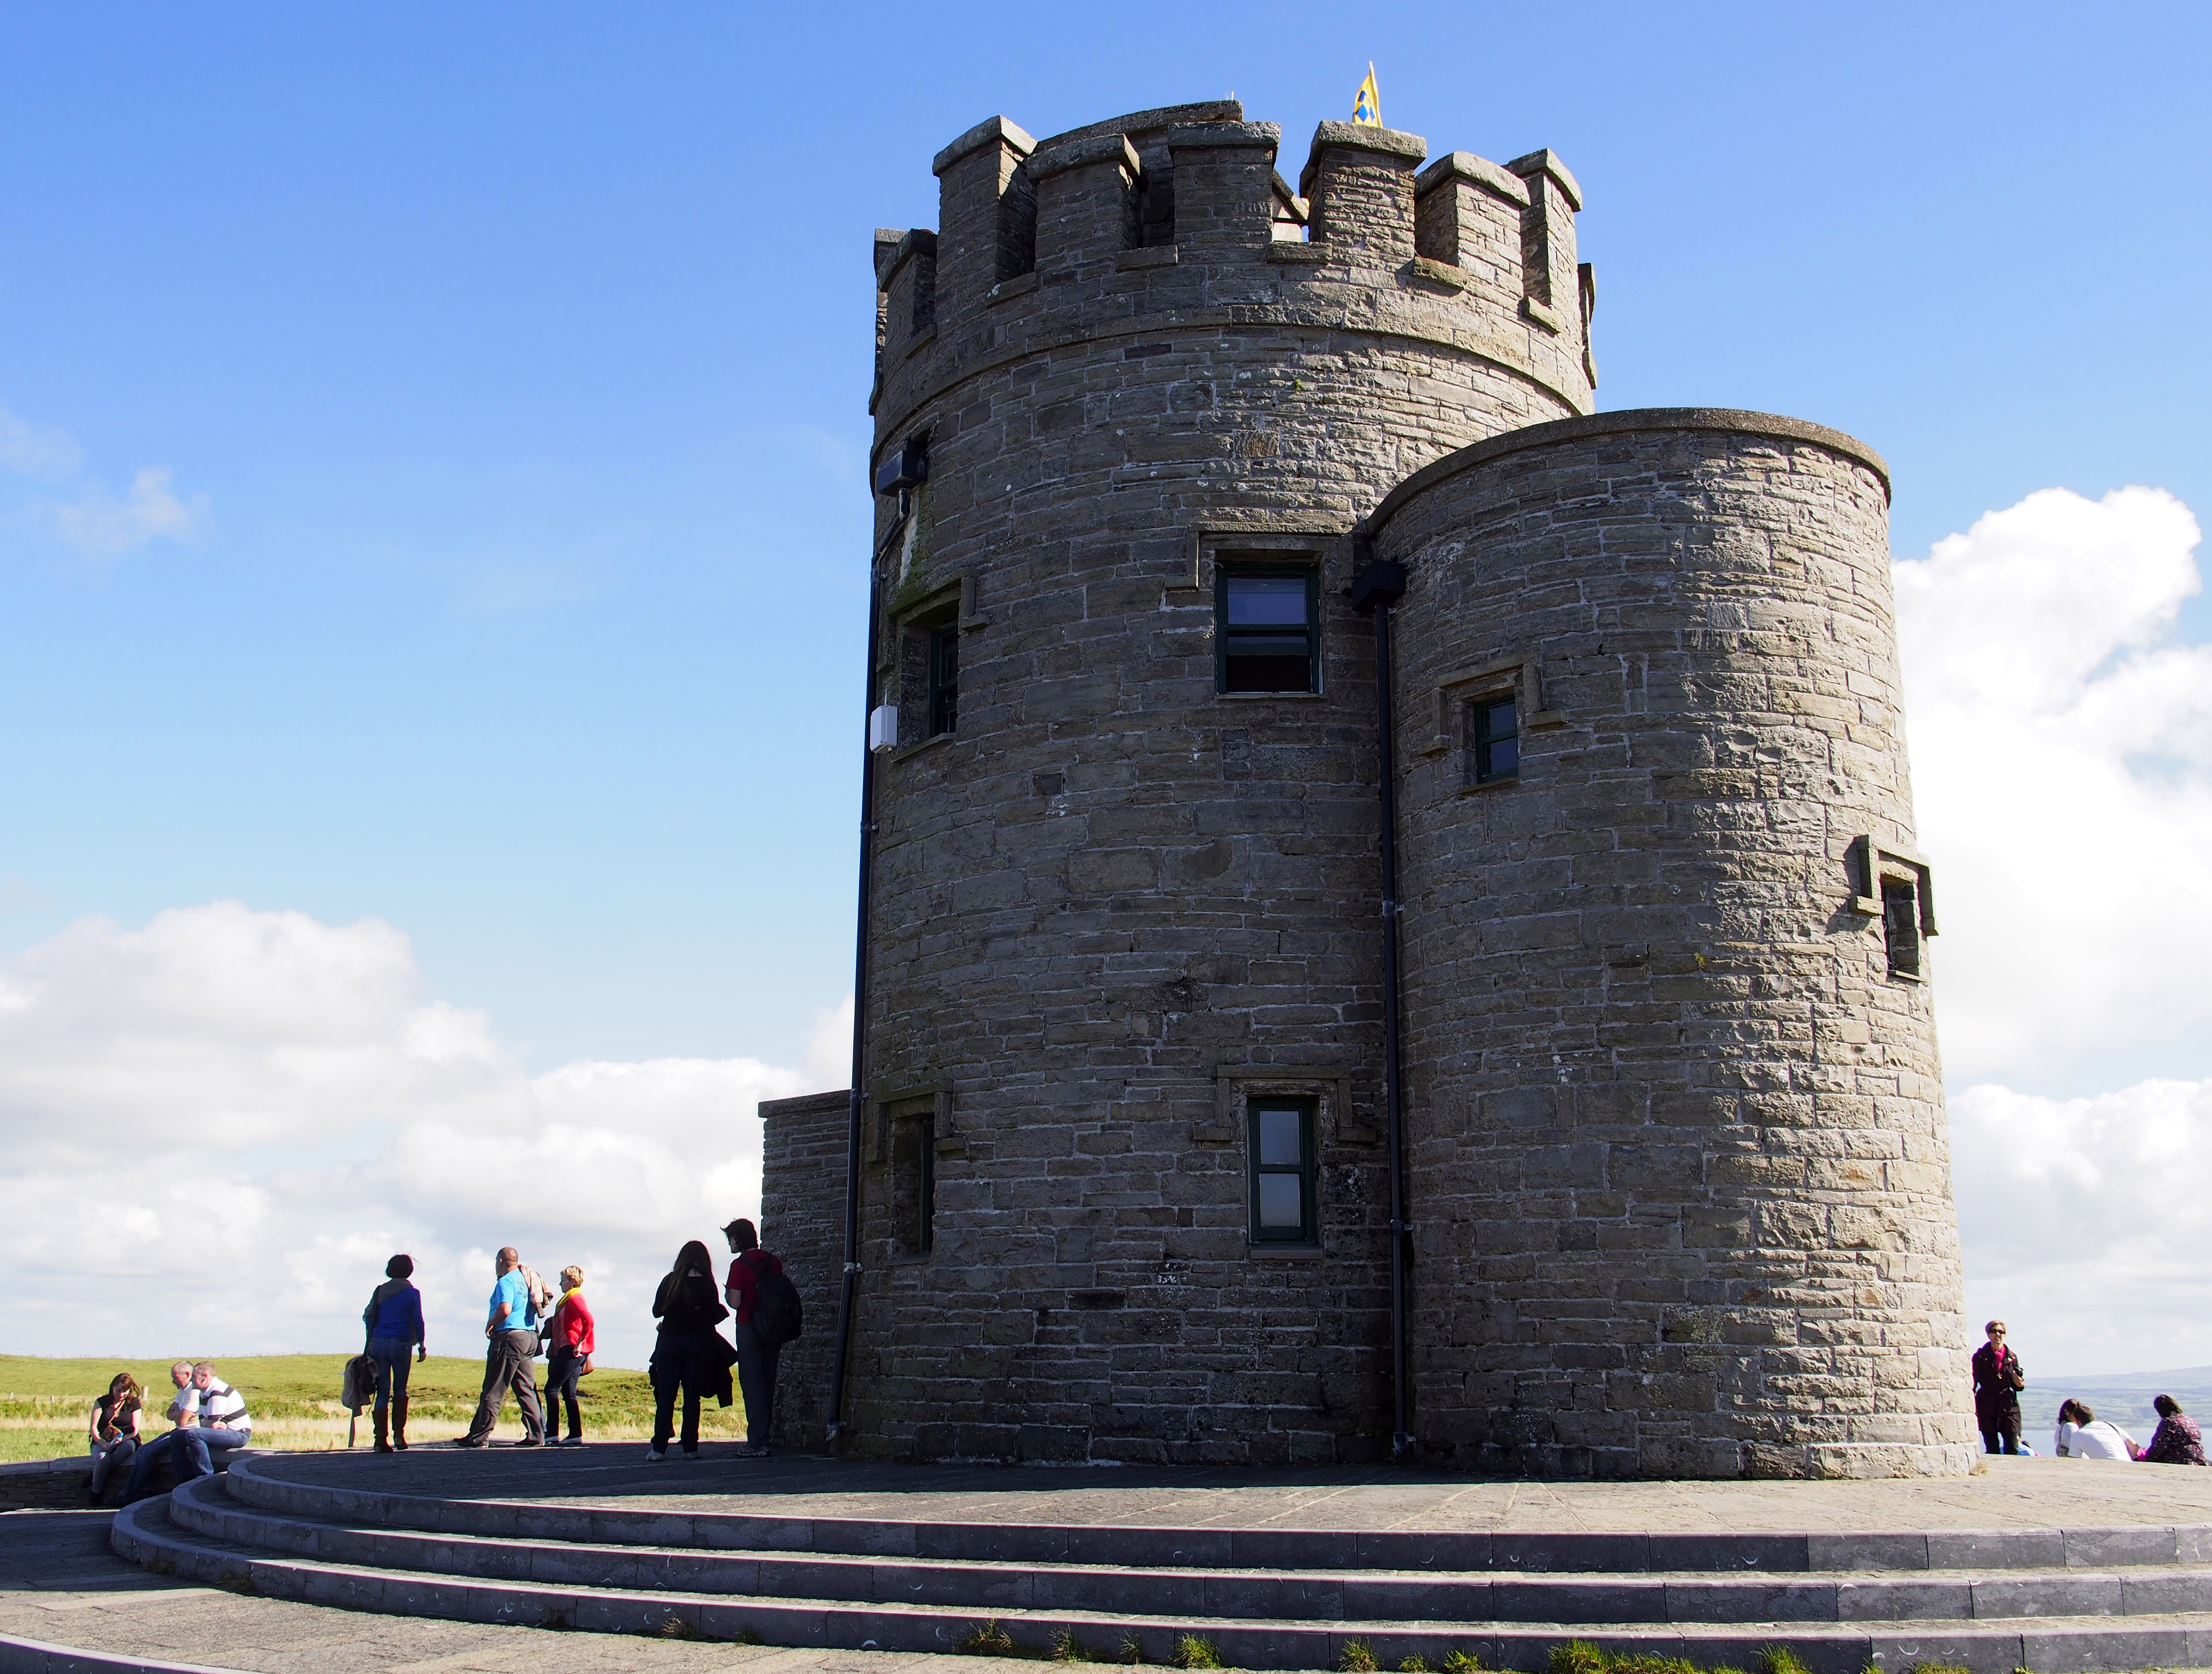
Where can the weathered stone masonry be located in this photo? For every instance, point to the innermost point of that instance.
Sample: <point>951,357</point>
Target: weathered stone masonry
<point>1677,1166</point>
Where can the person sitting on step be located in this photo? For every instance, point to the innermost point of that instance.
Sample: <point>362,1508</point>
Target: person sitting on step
<point>114,1429</point>
<point>182,1412</point>
<point>222,1421</point>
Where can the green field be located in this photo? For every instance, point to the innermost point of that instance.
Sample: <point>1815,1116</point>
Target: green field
<point>294,1401</point>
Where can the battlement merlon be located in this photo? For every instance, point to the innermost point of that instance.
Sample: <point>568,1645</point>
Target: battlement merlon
<point>1086,200</point>
<point>1547,243</point>
<point>1358,183</point>
<point>1225,188</point>
<point>986,215</point>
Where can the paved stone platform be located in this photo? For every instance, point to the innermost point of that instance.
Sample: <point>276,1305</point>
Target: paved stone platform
<point>2011,1494</point>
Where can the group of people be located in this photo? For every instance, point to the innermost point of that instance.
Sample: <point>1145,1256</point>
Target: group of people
<point>691,1359</point>
<point>1999,1378</point>
<point>205,1414</point>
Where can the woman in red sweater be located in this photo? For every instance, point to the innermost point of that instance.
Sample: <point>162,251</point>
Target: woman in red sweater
<point>568,1357</point>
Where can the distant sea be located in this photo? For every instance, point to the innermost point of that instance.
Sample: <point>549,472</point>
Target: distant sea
<point>2124,1398</point>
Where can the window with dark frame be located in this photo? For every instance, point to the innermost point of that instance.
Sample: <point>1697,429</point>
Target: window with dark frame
<point>1493,737</point>
<point>1267,627</point>
<point>1900,927</point>
<point>1281,1150</point>
<point>944,678</point>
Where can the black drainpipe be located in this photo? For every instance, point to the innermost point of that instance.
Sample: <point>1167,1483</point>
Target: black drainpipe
<point>901,473</point>
<point>1380,584</point>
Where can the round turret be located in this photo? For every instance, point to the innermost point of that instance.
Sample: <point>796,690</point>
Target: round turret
<point>1676,1116</point>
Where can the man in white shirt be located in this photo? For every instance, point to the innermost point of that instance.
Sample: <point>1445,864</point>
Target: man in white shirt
<point>224,1422</point>
<point>2082,1435</point>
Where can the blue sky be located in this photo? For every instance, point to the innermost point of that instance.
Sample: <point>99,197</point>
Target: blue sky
<point>520,359</point>
<point>431,492</point>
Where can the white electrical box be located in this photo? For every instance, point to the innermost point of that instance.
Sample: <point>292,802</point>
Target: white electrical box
<point>883,726</point>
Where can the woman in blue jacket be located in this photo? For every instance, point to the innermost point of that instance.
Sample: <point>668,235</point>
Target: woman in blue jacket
<point>394,1319</point>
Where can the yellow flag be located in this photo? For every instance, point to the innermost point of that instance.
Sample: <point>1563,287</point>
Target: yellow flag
<point>1368,107</point>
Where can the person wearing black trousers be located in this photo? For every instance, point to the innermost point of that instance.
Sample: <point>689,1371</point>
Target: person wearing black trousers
<point>1999,1378</point>
<point>689,1354</point>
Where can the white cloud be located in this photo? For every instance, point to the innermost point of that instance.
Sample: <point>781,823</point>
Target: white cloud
<point>216,1127</point>
<point>87,514</point>
<point>99,526</point>
<point>2086,1221</point>
<point>2061,759</point>
<point>36,450</point>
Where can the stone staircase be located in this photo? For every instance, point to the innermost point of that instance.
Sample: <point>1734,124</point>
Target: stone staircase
<point>2042,1599</point>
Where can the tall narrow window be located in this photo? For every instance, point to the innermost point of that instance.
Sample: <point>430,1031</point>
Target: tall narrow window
<point>1493,730</point>
<point>914,1184</point>
<point>1282,1154</point>
<point>943,678</point>
<point>1265,628</point>
<point>1900,927</point>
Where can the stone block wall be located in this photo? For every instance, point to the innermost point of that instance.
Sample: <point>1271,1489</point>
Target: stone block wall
<point>1677,1139</point>
<point>803,1224</point>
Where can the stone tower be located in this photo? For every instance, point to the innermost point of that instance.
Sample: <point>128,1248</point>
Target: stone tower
<point>1679,1197</point>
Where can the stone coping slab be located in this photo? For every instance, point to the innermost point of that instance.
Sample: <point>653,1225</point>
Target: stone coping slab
<point>2012,1494</point>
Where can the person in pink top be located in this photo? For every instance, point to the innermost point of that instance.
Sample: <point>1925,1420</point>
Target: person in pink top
<point>567,1357</point>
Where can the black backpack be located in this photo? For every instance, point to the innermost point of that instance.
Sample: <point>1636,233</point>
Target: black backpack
<point>776,1306</point>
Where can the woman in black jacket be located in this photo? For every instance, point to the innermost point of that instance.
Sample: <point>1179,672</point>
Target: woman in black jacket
<point>688,1351</point>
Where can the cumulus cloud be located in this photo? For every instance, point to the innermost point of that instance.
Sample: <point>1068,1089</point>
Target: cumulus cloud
<point>217,1126</point>
<point>2061,759</point>
<point>2086,1221</point>
<point>2062,753</point>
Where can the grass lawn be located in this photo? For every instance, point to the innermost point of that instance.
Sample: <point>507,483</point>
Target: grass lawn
<point>293,1399</point>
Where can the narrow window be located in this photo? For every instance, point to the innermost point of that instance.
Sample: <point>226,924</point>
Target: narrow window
<point>944,678</point>
<point>914,1184</point>
<point>1493,736</point>
<point>1282,1153</point>
<point>1264,627</point>
<point>1900,927</point>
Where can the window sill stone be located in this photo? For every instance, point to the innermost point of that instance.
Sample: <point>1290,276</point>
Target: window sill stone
<point>908,752</point>
<point>1286,1252</point>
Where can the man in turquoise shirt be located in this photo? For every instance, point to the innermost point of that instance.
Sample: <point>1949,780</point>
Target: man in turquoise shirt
<point>510,1358</point>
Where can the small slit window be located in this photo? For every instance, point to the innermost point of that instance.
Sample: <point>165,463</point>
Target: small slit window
<point>1265,628</point>
<point>1281,1148</point>
<point>1493,739</point>
<point>944,678</point>
<point>1900,927</point>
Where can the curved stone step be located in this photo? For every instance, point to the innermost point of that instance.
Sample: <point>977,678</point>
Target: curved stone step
<point>33,1656</point>
<point>253,1480</point>
<point>146,1533</point>
<point>205,1508</point>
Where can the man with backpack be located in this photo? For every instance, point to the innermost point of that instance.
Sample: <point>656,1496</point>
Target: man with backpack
<point>764,1316</point>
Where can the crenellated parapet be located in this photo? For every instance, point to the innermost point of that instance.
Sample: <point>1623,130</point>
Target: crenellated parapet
<point>1182,212</point>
